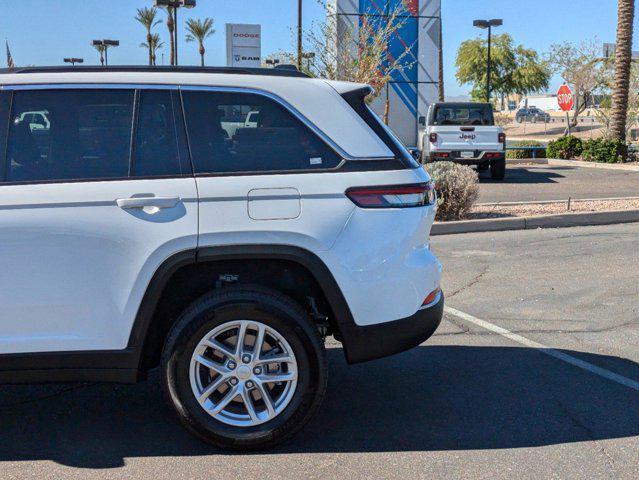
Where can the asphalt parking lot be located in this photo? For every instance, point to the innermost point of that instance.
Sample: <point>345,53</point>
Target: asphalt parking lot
<point>474,402</point>
<point>530,183</point>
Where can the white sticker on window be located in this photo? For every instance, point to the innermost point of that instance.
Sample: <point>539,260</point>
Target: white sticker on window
<point>316,161</point>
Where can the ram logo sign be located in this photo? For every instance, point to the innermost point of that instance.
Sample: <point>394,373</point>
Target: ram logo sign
<point>243,45</point>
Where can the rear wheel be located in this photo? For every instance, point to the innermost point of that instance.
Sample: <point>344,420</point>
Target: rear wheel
<point>498,169</point>
<point>244,368</point>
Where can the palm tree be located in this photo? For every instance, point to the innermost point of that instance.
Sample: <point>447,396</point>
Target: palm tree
<point>146,16</point>
<point>199,30</point>
<point>100,48</point>
<point>623,59</point>
<point>171,27</point>
<point>155,45</point>
<point>440,89</point>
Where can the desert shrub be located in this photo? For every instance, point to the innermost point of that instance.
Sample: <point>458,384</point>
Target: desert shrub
<point>457,189</point>
<point>540,153</point>
<point>565,147</point>
<point>605,150</point>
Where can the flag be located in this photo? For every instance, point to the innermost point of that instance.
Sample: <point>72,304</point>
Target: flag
<point>10,63</point>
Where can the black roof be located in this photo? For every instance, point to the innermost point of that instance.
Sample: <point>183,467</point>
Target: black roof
<point>272,72</point>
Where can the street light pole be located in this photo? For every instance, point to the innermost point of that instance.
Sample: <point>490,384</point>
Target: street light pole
<point>175,4</point>
<point>105,44</point>
<point>73,60</point>
<point>299,34</point>
<point>488,24</point>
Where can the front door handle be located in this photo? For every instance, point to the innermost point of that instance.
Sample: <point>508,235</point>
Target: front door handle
<point>147,202</point>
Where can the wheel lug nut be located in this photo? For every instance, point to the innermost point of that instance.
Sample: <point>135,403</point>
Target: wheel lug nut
<point>232,365</point>
<point>257,370</point>
<point>246,358</point>
<point>249,384</point>
<point>233,381</point>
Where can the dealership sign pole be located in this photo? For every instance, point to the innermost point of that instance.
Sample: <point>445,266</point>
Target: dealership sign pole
<point>566,102</point>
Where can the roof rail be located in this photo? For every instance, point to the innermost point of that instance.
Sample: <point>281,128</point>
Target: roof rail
<point>273,72</point>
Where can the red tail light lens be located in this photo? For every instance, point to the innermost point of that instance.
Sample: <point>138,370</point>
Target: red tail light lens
<point>501,138</point>
<point>432,296</point>
<point>432,138</point>
<point>393,196</point>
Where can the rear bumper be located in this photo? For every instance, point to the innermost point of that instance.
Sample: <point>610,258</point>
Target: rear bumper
<point>480,157</point>
<point>364,343</point>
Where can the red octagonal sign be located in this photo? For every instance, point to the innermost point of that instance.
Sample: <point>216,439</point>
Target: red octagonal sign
<point>564,98</point>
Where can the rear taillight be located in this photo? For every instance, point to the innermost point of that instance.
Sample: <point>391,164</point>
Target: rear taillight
<point>501,138</point>
<point>432,296</point>
<point>393,196</point>
<point>432,138</point>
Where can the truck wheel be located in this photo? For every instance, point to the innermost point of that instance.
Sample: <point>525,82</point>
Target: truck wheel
<point>482,167</point>
<point>244,368</point>
<point>498,169</point>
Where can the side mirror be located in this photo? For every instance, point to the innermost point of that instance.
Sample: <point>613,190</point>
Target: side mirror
<point>422,121</point>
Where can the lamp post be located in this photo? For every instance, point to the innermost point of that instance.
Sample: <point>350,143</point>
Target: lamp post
<point>489,24</point>
<point>272,61</point>
<point>175,5</point>
<point>73,60</point>
<point>105,44</point>
<point>299,34</point>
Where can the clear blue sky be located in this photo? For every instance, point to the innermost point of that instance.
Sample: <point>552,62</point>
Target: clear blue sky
<point>42,32</point>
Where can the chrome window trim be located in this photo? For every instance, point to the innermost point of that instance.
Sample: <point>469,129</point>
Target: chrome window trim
<point>207,88</point>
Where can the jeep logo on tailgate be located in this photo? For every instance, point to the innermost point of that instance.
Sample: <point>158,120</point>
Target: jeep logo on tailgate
<point>465,136</point>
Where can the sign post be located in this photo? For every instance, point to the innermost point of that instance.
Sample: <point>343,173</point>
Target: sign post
<point>243,45</point>
<point>566,102</point>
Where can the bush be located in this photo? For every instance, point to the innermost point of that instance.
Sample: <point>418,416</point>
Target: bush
<point>540,152</point>
<point>456,187</point>
<point>565,147</point>
<point>605,150</point>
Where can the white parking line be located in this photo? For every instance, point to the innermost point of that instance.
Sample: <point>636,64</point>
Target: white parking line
<point>602,372</point>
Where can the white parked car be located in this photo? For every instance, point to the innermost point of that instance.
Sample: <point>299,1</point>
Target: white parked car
<point>137,232</point>
<point>464,133</point>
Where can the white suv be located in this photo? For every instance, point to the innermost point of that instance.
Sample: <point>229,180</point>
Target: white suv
<point>137,232</point>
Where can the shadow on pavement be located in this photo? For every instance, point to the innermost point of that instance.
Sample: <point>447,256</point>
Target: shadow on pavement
<point>523,175</point>
<point>430,398</point>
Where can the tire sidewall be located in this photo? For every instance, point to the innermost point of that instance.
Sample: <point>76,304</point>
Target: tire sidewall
<point>214,311</point>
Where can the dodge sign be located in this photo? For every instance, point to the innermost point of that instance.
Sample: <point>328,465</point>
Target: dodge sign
<point>243,45</point>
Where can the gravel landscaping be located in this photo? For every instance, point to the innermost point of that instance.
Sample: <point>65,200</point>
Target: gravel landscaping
<point>530,209</point>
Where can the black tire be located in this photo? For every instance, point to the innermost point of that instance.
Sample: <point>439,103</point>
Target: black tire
<point>498,169</point>
<point>482,167</point>
<point>247,303</point>
<point>519,119</point>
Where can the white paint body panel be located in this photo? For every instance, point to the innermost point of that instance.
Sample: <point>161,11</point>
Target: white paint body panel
<point>75,266</point>
<point>379,258</point>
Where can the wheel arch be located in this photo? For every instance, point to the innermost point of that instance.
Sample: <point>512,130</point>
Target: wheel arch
<point>142,338</point>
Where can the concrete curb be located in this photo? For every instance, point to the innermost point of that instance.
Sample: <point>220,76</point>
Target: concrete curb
<point>579,163</point>
<point>526,161</point>
<point>537,221</point>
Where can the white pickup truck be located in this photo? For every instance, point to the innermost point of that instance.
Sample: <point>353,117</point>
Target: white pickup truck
<point>463,133</point>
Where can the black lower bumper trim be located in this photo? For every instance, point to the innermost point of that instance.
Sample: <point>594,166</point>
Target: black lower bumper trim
<point>376,341</point>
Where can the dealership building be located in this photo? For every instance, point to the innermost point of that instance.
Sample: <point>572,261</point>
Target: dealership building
<point>413,89</point>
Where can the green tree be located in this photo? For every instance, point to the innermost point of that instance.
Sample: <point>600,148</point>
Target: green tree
<point>100,49</point>
<point>199,30</point>
<point>581,66</point>
<point>170,25</point>
<point>515,69</point>
<point>155,45</point>
<point>146,17</point>
<point>623,59</point>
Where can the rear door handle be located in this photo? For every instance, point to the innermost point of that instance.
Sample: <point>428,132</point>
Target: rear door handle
<point>152,202</point>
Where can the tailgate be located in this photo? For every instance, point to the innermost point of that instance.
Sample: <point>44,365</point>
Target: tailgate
<point>468,138</point>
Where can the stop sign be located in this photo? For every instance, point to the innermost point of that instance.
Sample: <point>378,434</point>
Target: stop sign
<point>564,98</point>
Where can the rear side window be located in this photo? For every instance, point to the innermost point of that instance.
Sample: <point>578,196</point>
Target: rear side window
<point>69,135</point>
<point>156,150</point>
<point>465,115</point>
<point>245,132</point>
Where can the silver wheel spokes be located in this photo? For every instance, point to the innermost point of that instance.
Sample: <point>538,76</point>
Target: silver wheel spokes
<point>243,373</point>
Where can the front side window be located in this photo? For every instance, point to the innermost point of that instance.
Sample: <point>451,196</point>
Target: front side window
<point>69,135</point>
<point>245,132</point>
